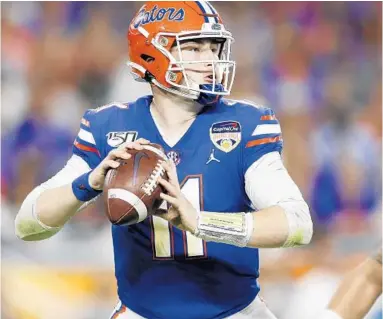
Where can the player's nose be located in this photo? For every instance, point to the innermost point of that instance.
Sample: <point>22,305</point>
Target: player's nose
<point>209,55</point>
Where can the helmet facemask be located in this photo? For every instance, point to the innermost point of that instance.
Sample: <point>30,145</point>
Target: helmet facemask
<point>222,70</point>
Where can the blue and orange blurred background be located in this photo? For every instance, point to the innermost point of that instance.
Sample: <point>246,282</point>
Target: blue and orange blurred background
<point>318,64</point>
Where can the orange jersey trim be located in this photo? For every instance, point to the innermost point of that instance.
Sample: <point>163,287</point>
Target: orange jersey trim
<point>86,148</point>
<point>268,117</point>
<point>264,141</point>
<point>122,310</point>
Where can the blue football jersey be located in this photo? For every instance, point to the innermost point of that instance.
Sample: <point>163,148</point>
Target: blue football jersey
<point>161,271</point>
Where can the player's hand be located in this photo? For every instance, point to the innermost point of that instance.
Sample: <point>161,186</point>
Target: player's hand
<point>181,213</point>
<point>97,177</point>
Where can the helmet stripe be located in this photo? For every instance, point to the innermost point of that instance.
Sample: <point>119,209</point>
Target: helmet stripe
<point>203,10</point>
<point>212,10</point>
<point>203,5</point>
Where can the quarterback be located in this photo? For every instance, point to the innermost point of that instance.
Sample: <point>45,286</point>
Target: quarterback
<point>228,192</point>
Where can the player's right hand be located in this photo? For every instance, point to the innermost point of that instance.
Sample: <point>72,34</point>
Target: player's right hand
<point>97,177</point>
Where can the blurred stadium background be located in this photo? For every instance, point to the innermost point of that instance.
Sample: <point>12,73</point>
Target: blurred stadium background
<point>318,64</point>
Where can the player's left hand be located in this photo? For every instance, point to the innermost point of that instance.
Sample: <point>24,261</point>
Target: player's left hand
<point>181,212</point>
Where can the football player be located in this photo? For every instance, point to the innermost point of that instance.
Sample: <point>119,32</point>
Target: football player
<point>358,291</point>
<point>231,179</point>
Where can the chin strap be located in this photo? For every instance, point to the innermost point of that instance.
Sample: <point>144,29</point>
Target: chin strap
<point>209,98</point>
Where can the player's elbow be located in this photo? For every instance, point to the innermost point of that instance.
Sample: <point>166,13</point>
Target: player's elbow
<point>28,229</point>
<point>300,225</point>
<point>19,228</point>
<point>307,223</point>
<point>23,229</point>
<point>308,230</point>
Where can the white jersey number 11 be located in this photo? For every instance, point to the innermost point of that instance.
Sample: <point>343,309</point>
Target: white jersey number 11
<point>162,231</point>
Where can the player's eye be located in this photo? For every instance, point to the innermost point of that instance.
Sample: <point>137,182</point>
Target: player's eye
<point>192,49</point>
<point>215,48</point>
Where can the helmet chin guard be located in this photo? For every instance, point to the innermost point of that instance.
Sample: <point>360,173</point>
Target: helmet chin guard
<point>210,98</point>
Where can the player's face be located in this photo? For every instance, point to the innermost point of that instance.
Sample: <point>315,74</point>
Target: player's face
<point>200,50</point>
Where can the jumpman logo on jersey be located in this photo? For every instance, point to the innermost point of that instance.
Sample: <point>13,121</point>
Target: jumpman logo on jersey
<point>212,158</point>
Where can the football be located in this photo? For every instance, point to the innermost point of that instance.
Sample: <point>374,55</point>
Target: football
<point>131,191</point>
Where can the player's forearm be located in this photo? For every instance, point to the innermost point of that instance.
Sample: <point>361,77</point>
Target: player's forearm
<point>270,228</point>
<point>54,207</point>
<point>358,291</point>
<point>44,212</point>
<point>50,205</point>
<point>287,224</point>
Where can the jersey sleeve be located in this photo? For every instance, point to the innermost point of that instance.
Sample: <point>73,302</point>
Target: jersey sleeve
<point>85,144</point>
<point>263,136</point>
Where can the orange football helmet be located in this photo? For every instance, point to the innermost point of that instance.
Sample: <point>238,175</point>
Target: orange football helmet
<point>160,25</point>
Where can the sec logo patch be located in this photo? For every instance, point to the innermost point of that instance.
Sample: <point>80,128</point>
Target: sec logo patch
<point>174,156</point>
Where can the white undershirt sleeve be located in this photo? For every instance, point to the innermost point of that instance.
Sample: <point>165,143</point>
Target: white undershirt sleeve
<point>267,184</point>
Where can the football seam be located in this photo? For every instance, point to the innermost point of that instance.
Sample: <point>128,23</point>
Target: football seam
<point>152,181</point>
<point>152,178</point>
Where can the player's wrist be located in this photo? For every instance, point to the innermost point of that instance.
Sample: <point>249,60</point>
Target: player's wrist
<point>91,180</point>
<point>82,188</point>
<point>230,228</point>
<point>190,222</point>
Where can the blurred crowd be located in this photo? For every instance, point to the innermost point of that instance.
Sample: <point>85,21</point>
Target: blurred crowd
<point>317,64</point>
